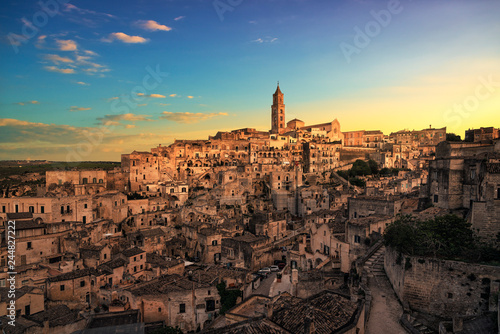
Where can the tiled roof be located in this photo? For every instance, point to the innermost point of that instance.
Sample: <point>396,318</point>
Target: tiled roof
<point>254,326</point>
<point>28,225</point>
<point>19,215</point>
<point>73,274</point>
<point>327,310</point>
<point>19,292</point>
<point>58,315</point>
<point>132,252</point>
<point>166,284</point>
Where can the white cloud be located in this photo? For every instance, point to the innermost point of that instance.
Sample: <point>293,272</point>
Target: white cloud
<point>156,96</point>
<point>66,45</point>
<point>75,108</point>
<point>152,25</point>
<point>187,117</point>
<point>60,70</point>
<point>56,59</point>
<point>266,39</point>
<point>82,83</point>
<point>190,97</point>
<point>29,102</point>
<point>124,38</point>
<point>179,18</point>
<point>117,119</point>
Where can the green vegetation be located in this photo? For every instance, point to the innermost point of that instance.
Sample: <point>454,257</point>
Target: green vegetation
<point>389,171</point>
<point>452,137</point>
<point>448,237</point>
<point>10,168</point>
<point>135,195</point>
<point>228,297</point>
<point>167,330</point>
<point>360,168</point>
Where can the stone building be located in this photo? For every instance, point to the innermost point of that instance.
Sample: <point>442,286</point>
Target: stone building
<point>188,304</point>
<point>477,135</point>
<point>467,175</point>
<point>83,182</point>
<point>365,206</point>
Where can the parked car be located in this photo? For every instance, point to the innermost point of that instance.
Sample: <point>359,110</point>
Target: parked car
<point>281,265</point>
<point>274,268</point>
<point>266,271</point>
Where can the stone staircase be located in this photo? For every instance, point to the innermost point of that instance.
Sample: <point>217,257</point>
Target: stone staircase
<point>414,326</point>
<point>374,266</point>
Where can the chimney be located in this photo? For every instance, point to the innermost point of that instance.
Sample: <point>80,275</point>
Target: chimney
<point>269,310</point>
<point>458,324</point>
<point>309,325</point>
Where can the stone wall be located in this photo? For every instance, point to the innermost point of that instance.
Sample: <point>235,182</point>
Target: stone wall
<point>439,287</point>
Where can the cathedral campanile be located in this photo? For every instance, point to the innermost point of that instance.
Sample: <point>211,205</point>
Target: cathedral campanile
<point>278,112</point>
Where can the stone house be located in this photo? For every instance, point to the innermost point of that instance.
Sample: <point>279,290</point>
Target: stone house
<point>180,302</point>
<point>28,299</point>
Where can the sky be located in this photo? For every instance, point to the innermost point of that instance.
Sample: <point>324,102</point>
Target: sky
<point>91,80</point>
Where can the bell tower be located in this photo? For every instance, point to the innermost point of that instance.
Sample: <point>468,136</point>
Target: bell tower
<point>278,112</point>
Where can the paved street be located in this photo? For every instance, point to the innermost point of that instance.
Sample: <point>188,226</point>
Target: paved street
<point>265,285</point>
<point>385,309</point>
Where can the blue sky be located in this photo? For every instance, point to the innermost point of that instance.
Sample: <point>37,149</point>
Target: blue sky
<point>67,71</point>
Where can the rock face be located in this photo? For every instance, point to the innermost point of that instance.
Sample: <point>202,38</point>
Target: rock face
<point>440,287</point>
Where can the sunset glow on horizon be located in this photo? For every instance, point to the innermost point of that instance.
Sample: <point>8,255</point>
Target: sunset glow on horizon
<point>131,76</point>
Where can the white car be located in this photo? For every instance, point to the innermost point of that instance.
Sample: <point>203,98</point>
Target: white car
<point>274,268</point>
<point>265,271</point>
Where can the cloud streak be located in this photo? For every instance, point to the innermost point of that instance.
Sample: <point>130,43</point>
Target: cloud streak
<point>120,119</point>
<point>189,118</point>
<point>156,96</point>
<point>75,108</point>
<point>122,37</point>
<point>152,26</point>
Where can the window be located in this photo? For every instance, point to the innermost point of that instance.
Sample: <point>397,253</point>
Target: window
<point>82,284</point>
<point>3,208</point>
<point>84,180</point>
<point>498,193</point>
<point>61,287</point>
<point>182,308</point>
<point>27,310</point>
<point>472,174</point>
<point>183,190</point>
<point>85,205</point>
<point>62,209</point>
<point>2,282</point>
<point>357,239</point>
<point>159,309</point>
<point>435,198</point>
<point>210,305</point>
<point>214,242</point>
<point>94,180</point>
<point>31,209</point>
<point>29,245</point>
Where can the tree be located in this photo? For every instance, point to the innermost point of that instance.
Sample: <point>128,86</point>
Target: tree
<point>448,237</point>
<point>453,137</point>
<point>373,166</point>
<point>228,298</point>
<point>167,330</point>
<point>360,167</point>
